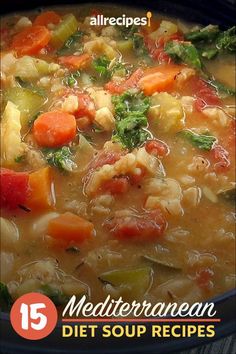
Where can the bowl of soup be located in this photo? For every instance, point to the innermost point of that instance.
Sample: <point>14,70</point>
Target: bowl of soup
<point>117,159</point>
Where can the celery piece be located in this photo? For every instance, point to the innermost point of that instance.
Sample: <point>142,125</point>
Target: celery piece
<point>125,45</point>
<point>64,30</point>
<point>27,101</point>
<point>131,283</point>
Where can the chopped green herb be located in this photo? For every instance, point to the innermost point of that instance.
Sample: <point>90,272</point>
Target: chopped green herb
<point>101,65</point>
<point>138,45</point>
<point>71,80</point>
<point>209,53</point>
<point>130,132</point>
<point>223,90</point>
<point>19,159</point>
<point>201,141</point>
<point>227,40</point>
<point>31,121</point>
<point>71,43</point>
<point>184,52</point>
<point>60,158</point>
<point>207,33</point>
<point>5,298</point>
<point>130,101</point>
<point>55,294</point>
<point>130,110</point>
<point>127,32</point>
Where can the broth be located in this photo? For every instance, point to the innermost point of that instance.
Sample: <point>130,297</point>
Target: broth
<point>148,178</point>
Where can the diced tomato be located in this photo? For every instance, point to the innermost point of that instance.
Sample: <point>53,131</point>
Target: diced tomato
<point>156,148</point>
<point>86,107</point>
<point>131,82</point>
<point>204,277</point>
<point>104,158</point>
<point>136,178</point>
<point>143,227</point>
<point>95,12</point>
<point>117,185</point>
<point>221,158</point>
<point>206,95</point>
<point>14,188</point>
<point>156,47</point>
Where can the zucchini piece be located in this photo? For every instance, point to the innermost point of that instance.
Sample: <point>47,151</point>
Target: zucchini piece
<point>64,30</point>
<point>11,145</point>
<point>228,194</point>
<point>33,68</point>
<point>125,45</point>
<point>131,283</point>
<point>162,264</point>
<point>29,103</point>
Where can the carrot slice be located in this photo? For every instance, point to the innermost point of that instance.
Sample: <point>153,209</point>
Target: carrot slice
<point>54,129</point>
<point>69,227</point>
<point>76,61</point>
<point>31,40</point>
<point>160,78</point>
<point>40,184</point>
<point>131,82</point>
<point>47,17</point>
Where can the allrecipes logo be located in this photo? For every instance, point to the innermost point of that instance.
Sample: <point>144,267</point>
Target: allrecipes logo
<point>123,20</point>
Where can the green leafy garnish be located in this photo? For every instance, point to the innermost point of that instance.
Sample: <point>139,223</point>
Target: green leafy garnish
<point>187,53</point>
<point>19,159</point>
<point>127,32</point>
<point>223,90</point>
<point>71,80</point>
<point>71,43</point>
<point>101,65</point>
<point>227,40</point>
<point>5,298</point>
<point>201,141</point>
<point>138,45</point>
<point>60,158</point>
<point>55,294</point>
<point>207,33</point>
<point>130,110</point>
<point>130,132</point>
<point>184,52</point>
<point>130,101</point>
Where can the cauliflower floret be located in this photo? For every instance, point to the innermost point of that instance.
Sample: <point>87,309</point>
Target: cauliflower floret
<point>123,166</point>
<point>102,99</point>
<point>105,119</point>
<point>9,233</point>
<point>192,196</point>
<point>149,162</point>
<point>110,31</point>
<point>23,23</point>
<point>165,193</point>
<point>11,144</point>
<point>217,116</point>
<point>70,104</point>
<point>100,47</point>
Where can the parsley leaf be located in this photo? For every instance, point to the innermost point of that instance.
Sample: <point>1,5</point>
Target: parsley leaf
<point>131,121</point>
<point>71,80</point>
<point>185,52</point>
<point>201,141</point>
<point>60,158</point>
<point>71,44</point>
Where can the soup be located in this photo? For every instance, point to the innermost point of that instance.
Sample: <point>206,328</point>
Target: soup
<point>117,157</point>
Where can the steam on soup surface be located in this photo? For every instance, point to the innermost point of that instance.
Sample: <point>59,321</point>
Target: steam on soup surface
<point>117,158</point>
